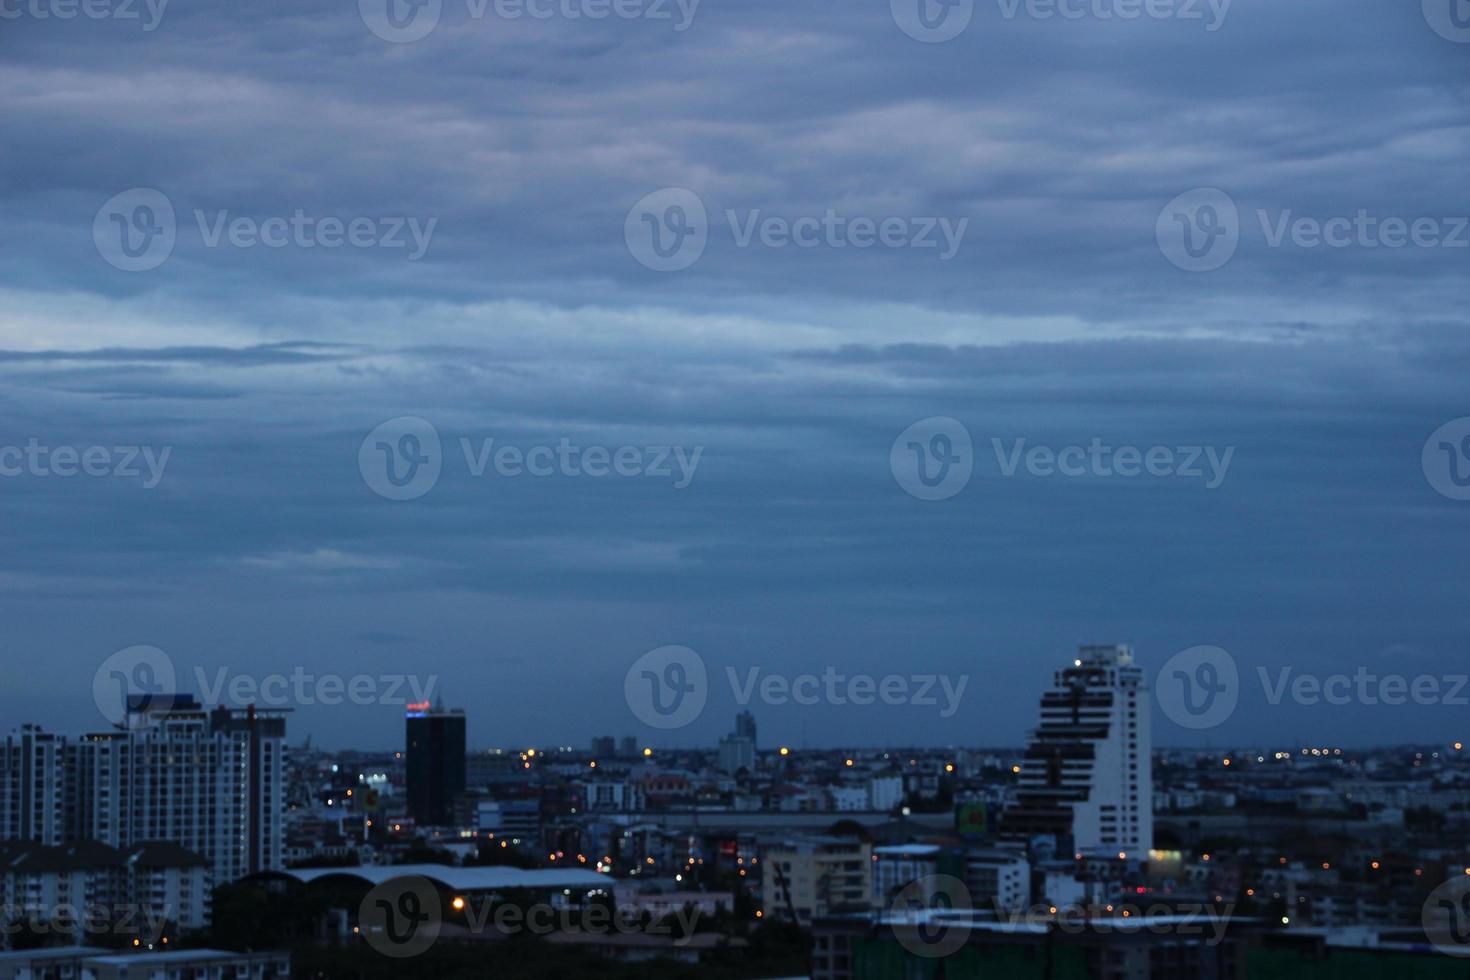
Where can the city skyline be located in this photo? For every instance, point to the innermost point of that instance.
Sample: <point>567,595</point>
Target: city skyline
<point>150,835</point>
<point>734,488</point>
<point>390,697</point>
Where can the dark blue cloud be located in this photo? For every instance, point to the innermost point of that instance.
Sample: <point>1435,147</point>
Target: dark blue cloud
<point>1058,320</point>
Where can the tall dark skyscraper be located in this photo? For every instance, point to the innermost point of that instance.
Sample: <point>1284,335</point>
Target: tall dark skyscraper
<point>435,759</point>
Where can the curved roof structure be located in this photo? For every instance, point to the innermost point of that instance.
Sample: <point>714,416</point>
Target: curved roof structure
<point>474,879</point>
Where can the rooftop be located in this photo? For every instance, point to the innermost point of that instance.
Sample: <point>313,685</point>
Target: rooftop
<point>469,879</point>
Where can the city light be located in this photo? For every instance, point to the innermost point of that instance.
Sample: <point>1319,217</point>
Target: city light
<point>692,810</point>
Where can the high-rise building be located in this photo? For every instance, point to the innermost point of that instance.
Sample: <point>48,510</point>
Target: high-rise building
<point>434,758</point>
<point>745,726</point>
<point>604,747</point>
<point>1087,778</point>
<point>210,781</point>
<point>737,752</point>
<point>33,804</point>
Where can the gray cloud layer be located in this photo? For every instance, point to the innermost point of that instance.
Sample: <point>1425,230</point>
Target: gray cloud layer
<point>527,141</point>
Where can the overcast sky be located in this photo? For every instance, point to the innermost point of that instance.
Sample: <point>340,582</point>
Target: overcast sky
<point>518,150</point>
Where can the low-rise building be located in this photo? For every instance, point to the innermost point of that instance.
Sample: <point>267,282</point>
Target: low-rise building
<point>817,876</point>
<point>899,865</point>
<point>145,891</point>
<point>998,880</point>
<point>92,963</point>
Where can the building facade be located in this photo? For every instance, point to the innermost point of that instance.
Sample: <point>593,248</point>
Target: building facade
<point>33,786</point>
<point>736,752</point>
<point>435,762</point>
<point>1087,776</point>
<point>745,726</point>
<point>87,963</point>
<point>86,888</point>
<point>899,865</point>
<point>817,876</point>
<point>998,880</point>
<point>210,781</point>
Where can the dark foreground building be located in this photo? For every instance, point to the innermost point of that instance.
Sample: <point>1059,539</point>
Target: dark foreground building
<point>958,946</point>
<point>933,947</point>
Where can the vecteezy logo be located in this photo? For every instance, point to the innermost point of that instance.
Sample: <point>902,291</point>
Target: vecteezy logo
<point>667,230</point>
<point>134,674</point>
<point>401,917</point>
<point>932,21</point>
<point>401,458</point>
<point>1198,687</point>
<point>1449,18</point>
<point>931,915</point>
<point>667,687</point>
<point>933,458</point>
<point>400,21</point>
<point>135,230</point>
<point>1446,459</point>
<point>1446,917</point>
<point>1199,230</point>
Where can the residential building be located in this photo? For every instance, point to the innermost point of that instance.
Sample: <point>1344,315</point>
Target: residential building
<point>898,865</point>
<point>817,876</point>
<point>847,799</point>
<point>885,792</point>
<point>621,796</point>
<point>33,786</point>
<point>172,880</point>
<point>737,752</point>
<point>998,880</point>
<point>145,891</point>
<point>208,780</point>
<point>90,963</point>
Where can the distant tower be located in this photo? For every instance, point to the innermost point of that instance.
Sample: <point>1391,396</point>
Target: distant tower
<point>745,726</point>
<point>434,757</point>
<point>1088,774</point>
<point>736,752</point>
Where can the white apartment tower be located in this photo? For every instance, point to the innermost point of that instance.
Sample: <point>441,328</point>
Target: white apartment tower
<point>1087,773</point>
<point>210,781</point>
<point>33,787</point>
